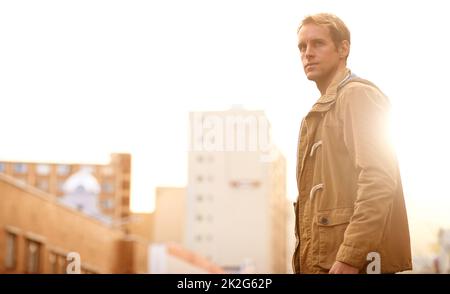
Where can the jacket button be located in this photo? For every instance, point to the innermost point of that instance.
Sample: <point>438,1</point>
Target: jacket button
<point>324,221</point>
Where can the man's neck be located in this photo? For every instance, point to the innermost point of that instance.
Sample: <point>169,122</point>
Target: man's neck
<point>323,85</point>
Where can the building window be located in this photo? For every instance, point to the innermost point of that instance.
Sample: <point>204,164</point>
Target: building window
<point>60,186</point>
<point>62,262</point>
<point>42,184</point>
<point>2,167</point>
<point>199,217</point>
<point>107,203</point>
<point>88,168</point>
<point>198,238</point>
<point>58,263</point>
<point>20,168</point>
<point>199,198</point>
<point>199,179</point>
<point>53,260</point>
<point>245,184</point>
<point>63,169</point>
<point>33,256</point>
<point>11,250</point>
<point>107,187</point>
<point>43,169</point>
<point>199,159</point>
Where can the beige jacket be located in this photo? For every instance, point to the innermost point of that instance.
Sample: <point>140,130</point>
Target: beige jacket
<point>350,200</point>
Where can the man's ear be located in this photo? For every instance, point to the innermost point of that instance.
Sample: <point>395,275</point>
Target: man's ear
<point>344,49</point>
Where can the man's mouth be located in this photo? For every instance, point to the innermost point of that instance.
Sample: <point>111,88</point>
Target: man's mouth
<point>309,65</point>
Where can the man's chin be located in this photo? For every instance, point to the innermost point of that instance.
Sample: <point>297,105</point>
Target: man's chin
<point>311,77</point>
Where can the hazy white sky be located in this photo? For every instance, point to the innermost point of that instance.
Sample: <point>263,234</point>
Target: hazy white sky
<point>82,79</point>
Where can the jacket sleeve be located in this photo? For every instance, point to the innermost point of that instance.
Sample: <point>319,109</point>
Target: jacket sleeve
<point>364,114</point>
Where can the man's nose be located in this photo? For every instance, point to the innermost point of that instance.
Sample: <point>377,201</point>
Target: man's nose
<point>309,51</point>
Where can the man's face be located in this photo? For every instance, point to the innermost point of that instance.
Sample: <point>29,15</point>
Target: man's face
<point>319,54</point>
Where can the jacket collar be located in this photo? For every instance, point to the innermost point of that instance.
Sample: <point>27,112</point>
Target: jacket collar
<point>327,100</point>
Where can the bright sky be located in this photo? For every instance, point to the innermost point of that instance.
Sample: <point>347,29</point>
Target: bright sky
<point>82,79</point>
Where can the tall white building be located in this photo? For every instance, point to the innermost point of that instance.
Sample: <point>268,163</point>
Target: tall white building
<point>236,198</point>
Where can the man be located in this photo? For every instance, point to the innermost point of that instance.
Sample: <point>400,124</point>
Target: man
<point>350,211</point>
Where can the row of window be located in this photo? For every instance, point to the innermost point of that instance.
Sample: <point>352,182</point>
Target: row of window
<point>201,198</point>
<point>32,254</point>
<point>201,178</point>
<point>41,169</point>
<point>200,218</point>
<point>33,257</point>
<point>107,203</point>
<point>44,169</point>
<point>43,184</point>
<point>107,187</point>
<point>202,238</point>
<point>201,159</point>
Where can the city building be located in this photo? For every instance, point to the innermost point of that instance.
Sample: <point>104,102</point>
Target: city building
<point>169,217</point>
<point>38,234</point>
<point>172,258</point>
<point>114,179</point>
<point>236,206</point>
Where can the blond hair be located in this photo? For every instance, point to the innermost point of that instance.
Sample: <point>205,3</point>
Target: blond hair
<point>337,28</point>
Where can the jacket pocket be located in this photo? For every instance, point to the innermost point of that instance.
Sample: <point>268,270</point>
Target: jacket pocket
<point>331,228</point>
